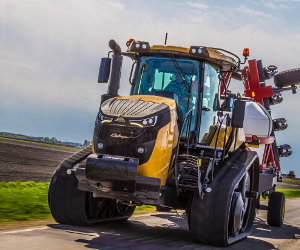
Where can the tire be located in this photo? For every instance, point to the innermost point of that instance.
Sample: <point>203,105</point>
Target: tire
<point>287,78</point>
<point>212,219</point>
<point>69,205</point>
<point>276,209</point>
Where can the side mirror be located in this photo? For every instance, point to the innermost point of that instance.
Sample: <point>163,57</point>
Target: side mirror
<point>133,69</point>
<point>104,70</point>
<point>229,102</point>
<point>216,105</point>
<point>238,114</point>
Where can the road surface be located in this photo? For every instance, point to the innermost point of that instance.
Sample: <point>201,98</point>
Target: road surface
<point>150,231</point>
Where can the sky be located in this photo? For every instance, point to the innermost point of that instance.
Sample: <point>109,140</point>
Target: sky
<point>50,52</point>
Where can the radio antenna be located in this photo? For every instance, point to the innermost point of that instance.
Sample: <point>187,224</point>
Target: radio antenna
<point>166,38</point>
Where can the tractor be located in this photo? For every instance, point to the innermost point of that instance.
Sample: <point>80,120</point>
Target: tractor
<point>181,139</point>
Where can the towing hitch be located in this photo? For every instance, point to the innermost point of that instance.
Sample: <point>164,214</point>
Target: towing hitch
<point>115,177</point>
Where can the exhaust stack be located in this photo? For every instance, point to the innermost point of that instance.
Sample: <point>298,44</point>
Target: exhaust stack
<point>116,66</point>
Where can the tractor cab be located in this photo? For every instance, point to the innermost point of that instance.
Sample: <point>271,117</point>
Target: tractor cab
<point>193,84</point>
<point>178,79</point>
<point>190,76</point>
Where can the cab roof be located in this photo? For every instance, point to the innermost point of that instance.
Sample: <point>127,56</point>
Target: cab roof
<point>213,55</point>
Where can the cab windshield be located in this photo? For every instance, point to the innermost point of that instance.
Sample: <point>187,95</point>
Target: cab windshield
<point>173,78</point>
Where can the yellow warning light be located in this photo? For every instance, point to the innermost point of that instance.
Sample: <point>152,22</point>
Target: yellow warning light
<point>253,94</point>
<point>246,52</point>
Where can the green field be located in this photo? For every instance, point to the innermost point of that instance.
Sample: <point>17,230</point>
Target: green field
<point>290,193</point>
<point>295,181</point>
<point>23,201</point>
<point>20,201</point>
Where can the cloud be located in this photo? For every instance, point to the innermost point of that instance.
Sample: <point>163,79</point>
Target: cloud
<point>275,6</point>
<point>254,12</point>
<point>197,5</point>
<point>278,4</point>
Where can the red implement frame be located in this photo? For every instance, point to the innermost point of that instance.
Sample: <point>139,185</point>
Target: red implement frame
<point>256,90</point>
<point>226,80</point>
<point>253,88</point>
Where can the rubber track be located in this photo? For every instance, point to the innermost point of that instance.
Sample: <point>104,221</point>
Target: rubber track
<point>66,202</point>
<point>209,217</point>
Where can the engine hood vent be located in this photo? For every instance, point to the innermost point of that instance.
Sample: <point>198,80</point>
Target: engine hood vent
<point>131,108</point>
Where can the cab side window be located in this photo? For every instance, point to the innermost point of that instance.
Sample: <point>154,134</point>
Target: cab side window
<point>210,98</point>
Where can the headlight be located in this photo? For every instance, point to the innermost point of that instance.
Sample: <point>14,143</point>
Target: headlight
<point>147,122</point>
<point>139,46</point>
<point>198,50</point>
<point>103,118</point>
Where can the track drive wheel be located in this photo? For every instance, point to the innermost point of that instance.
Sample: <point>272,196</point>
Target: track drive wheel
<point>225,215</point>
<point>276,209</point>
<point>68,205</point>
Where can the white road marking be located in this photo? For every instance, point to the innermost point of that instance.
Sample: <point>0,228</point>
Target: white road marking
<point>23,230</point>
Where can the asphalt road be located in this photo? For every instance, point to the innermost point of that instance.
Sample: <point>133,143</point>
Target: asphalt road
<point>150,231</point>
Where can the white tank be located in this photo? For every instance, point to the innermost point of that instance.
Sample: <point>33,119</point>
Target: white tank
<point>257,120</point>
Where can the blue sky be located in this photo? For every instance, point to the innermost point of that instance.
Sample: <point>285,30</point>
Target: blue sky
<point>50,52</point>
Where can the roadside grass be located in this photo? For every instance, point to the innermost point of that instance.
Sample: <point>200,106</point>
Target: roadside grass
<point>24,201</point>
<point>144,209</point>
<point>296,181</point>
<point>21,201</point>
<point>290,193</point>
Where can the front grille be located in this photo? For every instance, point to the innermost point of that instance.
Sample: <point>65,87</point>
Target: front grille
<point>125,140</point>
<point>127,134</point>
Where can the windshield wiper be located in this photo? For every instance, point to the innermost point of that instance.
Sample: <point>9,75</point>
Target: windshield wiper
<point>179,71</point>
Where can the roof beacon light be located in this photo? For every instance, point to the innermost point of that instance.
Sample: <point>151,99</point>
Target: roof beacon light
<point>246,52</point>
<point>129,42</point>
